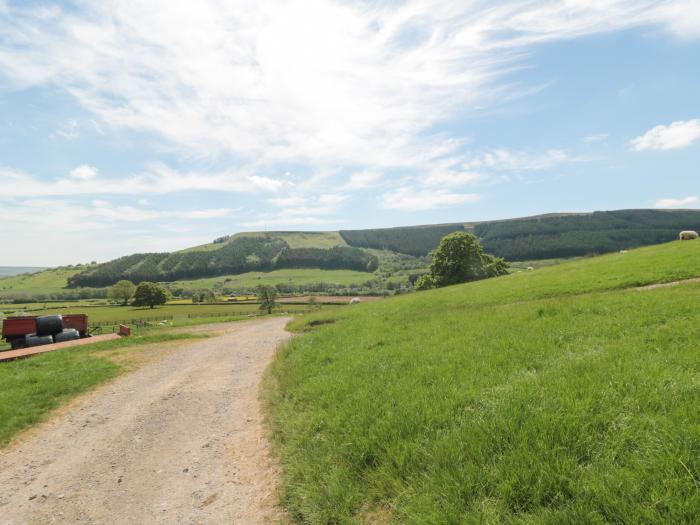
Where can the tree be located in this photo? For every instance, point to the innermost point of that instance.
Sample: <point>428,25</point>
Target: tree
<point>458,259</point>
<point>150,294</point>
<point>204,296</point>
<point>267,296</point>
<point>123,291</point>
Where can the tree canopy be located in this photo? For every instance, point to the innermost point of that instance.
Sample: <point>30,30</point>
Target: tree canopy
<point>459,259</point>
<point>267,296</point>
<point>122,291</point>
<point>150,294</point>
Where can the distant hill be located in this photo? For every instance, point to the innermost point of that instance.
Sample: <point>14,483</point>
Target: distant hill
<point>8,271</point>
<point>541,237</point>
<point>234,255</point>
<point>390,255</point>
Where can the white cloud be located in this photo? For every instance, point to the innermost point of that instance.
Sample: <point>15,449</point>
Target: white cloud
<point>676,135</point>
<point>682,17</point>
<point>362,180</point>
<point>160,179</point>
<point>88,230</point>
<point>216,213</point>
<point>68,130</point>
<point>451,178</point>
<point>84,172</point>
<point>295,206</point>
<point>412,199</point>
<point>502,159</point>
<point>312,81</point>
<point>676,203</point>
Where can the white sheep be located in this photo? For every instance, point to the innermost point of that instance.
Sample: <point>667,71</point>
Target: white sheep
<point>688,235</point>
<point>355,300</point>
<point>530,268</point>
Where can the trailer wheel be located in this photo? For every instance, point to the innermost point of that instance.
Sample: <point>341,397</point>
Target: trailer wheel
<point>49,325</point>
<point>69,334</point>
<point>37,340</point>
<point>17,344</point>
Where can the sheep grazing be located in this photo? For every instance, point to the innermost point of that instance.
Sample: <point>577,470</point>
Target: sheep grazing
<point>623,251</point>
<point>688,235</point>
<point>530,269</point>
<point>355,300</point>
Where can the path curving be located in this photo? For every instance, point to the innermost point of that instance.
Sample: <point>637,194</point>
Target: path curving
<point>178,441</point>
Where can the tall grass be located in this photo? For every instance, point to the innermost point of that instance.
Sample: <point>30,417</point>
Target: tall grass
<point>553,396</point>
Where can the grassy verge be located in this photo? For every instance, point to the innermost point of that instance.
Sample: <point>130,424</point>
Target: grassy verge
<point>31,388</point>
<point>552,396</point>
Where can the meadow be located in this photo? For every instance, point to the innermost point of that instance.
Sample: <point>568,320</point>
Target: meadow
<point>563,395</point>
<point>45,282</point>
<point>250,280</point>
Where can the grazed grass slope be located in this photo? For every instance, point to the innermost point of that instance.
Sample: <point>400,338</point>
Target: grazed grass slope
<point>31,388</point>
<point>552,396</point>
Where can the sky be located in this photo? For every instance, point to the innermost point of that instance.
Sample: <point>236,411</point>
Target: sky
<point>130,126</point>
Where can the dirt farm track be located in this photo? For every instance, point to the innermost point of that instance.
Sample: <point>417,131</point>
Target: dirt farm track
<point>177,441</point>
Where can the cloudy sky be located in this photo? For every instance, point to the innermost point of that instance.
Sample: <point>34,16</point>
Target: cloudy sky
<point>130,126</point>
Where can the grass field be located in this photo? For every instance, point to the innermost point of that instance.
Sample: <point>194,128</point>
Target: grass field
<point>46,282</point>
<point>31,388</point>
<point>114,315</point>
<point>291,276</point>
<point>293,239</point>
<point>547,397</point>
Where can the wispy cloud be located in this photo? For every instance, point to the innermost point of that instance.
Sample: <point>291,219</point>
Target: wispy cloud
<point>676,203</point>
<point>595,138</point>
<point>676,135</point>
<point>313,81</point>
<point>160,179</point>
<point>502,159</point>
<point>413,199</point>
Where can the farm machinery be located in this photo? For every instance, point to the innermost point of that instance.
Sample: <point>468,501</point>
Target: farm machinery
<point>28,331</point>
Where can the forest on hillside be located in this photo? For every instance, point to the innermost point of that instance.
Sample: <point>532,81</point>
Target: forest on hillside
<point>240,255</point>
<point>543,237</point>
<point>411,240</point>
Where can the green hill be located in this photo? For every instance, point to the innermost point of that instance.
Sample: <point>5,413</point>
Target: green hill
<point>563,395</point>
<point>542,237</point>
<point>371,261</point>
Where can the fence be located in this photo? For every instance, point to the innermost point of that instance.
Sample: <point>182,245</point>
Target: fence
<point>146,322</point>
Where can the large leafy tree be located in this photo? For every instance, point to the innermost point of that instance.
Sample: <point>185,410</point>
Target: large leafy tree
<point>150,294</point>
<point>122,291</point>
<point>267,296</point>
<point>458,259</point>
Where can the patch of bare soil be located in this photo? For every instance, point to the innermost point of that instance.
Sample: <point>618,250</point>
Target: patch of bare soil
<point>179,440</point>
<point>667,285</point>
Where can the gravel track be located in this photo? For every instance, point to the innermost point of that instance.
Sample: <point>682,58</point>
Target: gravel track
<point>178,441</point>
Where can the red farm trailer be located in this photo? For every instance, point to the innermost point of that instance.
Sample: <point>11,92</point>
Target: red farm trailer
<point>28,330</point>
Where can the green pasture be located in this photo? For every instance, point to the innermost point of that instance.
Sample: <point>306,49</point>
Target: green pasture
<point>292,276</point>
<point>112,315</point>
<point>562,395</point>
<point>46,282</point>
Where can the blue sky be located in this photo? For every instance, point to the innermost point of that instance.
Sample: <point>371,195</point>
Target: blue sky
<point>130,127</point>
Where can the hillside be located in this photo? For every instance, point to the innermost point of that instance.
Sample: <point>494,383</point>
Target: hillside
<point>562,395</point>
<point>374,260</point>
<point>542,237</point>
